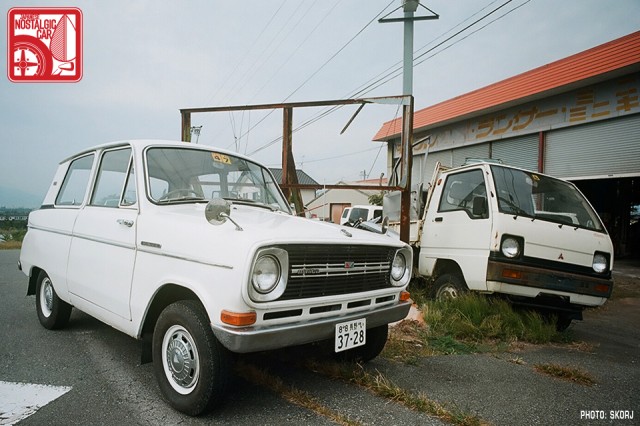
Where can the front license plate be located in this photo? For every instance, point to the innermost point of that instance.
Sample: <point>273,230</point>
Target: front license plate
<point>351,334</point>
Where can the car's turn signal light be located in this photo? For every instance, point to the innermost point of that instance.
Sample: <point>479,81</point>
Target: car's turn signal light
<point>238,318</point>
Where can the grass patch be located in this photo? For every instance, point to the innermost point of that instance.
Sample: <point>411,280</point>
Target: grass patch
<point>449,346</point>
<point>472,323</point>
<point>383,387</point>
<point>571,374</point>
<point>10,245</point>
<point>489,321</point>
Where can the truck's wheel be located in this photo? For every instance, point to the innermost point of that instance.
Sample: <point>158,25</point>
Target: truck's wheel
<point>191,366</point>
<point>563,322</point>
<point>448,286</point>
<point>376,339</point>
<point>53,312</point>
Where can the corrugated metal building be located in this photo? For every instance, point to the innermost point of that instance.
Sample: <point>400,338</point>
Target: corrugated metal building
<point>577,118</point>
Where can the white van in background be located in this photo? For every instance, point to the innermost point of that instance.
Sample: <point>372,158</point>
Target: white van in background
<point>363,213</point>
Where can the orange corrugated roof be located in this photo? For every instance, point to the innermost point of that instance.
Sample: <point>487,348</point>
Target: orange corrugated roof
<point>603,59</point>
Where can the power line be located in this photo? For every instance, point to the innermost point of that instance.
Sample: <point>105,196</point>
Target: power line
<point>255,42</point>
<point>316,72</point>
<point>395,71</point>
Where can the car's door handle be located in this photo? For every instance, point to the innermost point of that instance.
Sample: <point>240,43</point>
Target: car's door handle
<point>125,222</point>
<point>438,219</point>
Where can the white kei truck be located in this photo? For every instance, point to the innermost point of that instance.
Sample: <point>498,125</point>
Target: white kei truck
<point>496,229</point>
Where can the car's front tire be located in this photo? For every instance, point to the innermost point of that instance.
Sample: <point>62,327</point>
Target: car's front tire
<point>53,312</point>
<point>376,339</point>
<point>191,366</point>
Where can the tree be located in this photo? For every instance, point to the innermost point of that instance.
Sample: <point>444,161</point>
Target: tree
<point>375,199</point>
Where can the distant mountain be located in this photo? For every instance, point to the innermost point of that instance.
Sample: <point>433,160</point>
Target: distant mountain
<point>14,198</point>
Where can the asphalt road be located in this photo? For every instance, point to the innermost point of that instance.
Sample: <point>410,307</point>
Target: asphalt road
<point>110,387</point>
<point>107,385</point>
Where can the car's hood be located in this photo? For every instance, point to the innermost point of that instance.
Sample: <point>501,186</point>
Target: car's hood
<point>185,232</point>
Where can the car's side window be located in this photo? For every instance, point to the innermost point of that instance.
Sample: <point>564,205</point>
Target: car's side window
<point>112,176</point>
<point>74,186</point>
<point>130,196</point>
<point>465,191</point>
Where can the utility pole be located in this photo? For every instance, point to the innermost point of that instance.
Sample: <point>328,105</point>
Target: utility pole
<point>409,8</point>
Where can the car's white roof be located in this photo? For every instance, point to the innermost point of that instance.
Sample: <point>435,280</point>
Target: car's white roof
<point>141,144</point>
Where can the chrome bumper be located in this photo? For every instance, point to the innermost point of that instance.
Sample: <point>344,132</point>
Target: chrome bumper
<point>255,339</point>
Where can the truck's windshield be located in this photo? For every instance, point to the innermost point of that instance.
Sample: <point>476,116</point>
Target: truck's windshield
<point>179,175</point>
<point>541,197</point>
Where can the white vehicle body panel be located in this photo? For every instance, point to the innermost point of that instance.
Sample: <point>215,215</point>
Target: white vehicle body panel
<point>558,255</point>
<point>111,262</point>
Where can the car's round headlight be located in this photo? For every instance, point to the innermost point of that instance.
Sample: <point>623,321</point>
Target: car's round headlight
<point>398,267</point>
<point>266,274</point>
<point>599,263</point>
<point>510,247</point>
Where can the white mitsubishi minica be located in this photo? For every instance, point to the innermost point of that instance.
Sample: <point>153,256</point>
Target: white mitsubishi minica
<point>195,251</point>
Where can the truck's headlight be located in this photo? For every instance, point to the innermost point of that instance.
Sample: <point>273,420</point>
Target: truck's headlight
<point>269,274</point>
<point>401,267</point>
<point>600,262</point>
<point>511,247</point>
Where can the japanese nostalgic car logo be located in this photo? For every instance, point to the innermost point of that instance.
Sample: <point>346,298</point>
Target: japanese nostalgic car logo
<point>349,265</point>
<point>44,44</point>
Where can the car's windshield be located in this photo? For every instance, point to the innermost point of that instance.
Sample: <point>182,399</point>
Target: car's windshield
<point>541,197</point>
<point>179,175</point>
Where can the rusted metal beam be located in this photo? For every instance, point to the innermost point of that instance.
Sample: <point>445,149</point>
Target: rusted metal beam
<point>375,100</point>
<point>186,126</point>
<point>360,187</point>
<point>287,132</point>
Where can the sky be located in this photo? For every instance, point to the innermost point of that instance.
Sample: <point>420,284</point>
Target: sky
<point>144,60</point>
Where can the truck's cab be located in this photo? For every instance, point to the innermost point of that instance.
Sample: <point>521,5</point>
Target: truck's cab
<point>492,228</point>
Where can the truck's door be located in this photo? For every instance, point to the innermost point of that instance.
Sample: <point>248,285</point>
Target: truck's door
<point>457,225</point>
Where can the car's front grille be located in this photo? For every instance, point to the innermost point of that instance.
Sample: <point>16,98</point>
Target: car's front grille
<point>327,270</point>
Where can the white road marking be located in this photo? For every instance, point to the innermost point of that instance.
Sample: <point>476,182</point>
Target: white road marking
<point>20,400</point>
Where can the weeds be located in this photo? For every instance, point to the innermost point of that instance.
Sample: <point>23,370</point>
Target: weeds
<point>479,319</point>
<point>10,245</point>
<point>383,387</point>
<point>571,374</point>
<point>290,393</point>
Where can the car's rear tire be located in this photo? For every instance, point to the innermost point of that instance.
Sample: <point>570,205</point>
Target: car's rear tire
<point>192,368</point>
<point>376,339</point>
<point>53,312</point>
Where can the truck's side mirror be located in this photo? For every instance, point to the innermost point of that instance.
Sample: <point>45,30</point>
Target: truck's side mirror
<point>479,207</point>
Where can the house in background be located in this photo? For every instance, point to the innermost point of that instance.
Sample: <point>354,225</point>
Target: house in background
<point>303,179</point>
<point>330,203</point>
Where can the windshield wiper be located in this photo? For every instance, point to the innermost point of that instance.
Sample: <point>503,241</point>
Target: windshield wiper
<point>250,203</point>
<point>516,209</point>
<point>181,199</point>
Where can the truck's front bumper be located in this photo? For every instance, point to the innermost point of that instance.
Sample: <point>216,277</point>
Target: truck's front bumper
<point>531,281</point>
<point>254,339</point>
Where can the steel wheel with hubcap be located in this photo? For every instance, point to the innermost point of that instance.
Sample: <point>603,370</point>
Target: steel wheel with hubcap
<point>191,366</point>
<point>448,286</point>
<point>53,312</point>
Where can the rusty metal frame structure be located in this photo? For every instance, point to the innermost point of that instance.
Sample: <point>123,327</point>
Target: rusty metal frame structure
<point>290,185</point>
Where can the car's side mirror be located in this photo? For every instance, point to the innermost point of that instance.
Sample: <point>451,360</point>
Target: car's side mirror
<point>218,211</point>
<point>479,208</point>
